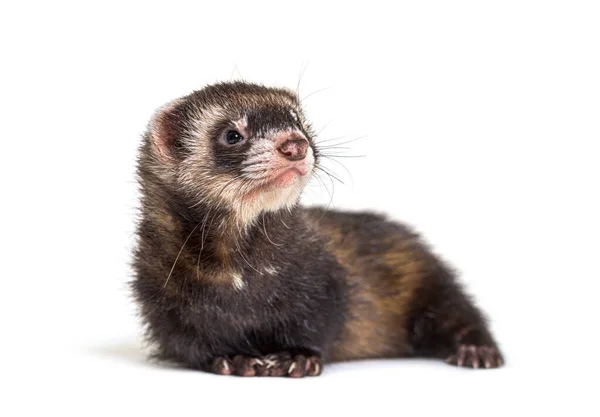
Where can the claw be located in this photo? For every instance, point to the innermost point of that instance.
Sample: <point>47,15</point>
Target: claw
<point>317,369</point>
<point>292,367</point>
<point>476,357</point>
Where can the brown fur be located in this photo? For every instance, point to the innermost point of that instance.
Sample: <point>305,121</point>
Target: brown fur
<point>382,284</point>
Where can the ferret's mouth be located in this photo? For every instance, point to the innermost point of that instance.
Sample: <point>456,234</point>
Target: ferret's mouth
<point>287,177</point>
<point>279,180</point>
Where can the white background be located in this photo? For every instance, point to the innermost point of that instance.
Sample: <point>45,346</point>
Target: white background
<point>479,124</point>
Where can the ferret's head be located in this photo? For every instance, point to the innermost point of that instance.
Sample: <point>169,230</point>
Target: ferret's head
<point>244,147</point>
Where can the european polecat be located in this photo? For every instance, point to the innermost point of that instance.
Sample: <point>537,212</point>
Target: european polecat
<point>234,277</point>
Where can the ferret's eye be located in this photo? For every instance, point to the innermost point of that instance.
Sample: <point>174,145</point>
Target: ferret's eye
<point>232,137</point>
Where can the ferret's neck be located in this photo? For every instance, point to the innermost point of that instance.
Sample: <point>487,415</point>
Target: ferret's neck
<point>218,241</point>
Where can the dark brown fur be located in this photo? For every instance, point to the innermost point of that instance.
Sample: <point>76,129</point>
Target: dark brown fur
<point>341,286</point>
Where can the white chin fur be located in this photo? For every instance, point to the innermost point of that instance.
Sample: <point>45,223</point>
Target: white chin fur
<point>272,200</point>
<point>278,197</point>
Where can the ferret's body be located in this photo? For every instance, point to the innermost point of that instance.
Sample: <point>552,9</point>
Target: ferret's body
<point>234,277</point>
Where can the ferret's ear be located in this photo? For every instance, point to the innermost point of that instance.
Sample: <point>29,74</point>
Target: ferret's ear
<point>166,129</point>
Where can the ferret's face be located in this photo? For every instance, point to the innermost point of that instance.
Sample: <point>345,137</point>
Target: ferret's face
<point>243,147</point>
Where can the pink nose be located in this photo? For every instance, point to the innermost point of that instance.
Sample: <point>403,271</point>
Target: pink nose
<point>294,149</point>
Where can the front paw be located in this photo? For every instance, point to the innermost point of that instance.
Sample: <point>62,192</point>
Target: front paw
<point>242,366</point>
<point>279,364</point>
<point>473,356</point>
<point>294,366</point>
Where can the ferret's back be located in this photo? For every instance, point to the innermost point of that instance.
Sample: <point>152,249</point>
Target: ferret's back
<point>386,262</point>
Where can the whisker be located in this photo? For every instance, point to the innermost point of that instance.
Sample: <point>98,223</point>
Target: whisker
<point>329,140</point>
<point>331,194</point>
<point>328,173</point>
<point>339,163</point>
<point>341,143</point>
<point>301,75</point>
<point>330,155</point>
<point>322,129</point>
<point>245,260</point>
<point>265,231</point>
<point>314,92</point>
<point>322,183</point>
<point>324,186</point>
<point>202,239</point>
<point>179,254</point>
<point>334,147</point>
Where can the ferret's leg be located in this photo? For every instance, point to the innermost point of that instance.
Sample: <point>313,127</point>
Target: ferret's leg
<point>295,365</point>
<point>446,323</point>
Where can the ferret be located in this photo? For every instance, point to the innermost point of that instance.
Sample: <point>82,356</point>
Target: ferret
<point>233,276</point>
